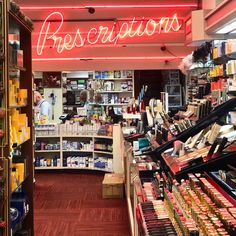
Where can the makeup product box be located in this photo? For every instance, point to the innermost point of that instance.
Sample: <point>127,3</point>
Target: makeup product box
<point>113,186</point>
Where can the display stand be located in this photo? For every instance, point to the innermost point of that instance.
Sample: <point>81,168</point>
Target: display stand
<point>89,149</point>
<point>17,124</point>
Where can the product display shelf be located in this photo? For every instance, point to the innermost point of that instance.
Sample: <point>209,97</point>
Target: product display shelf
<point>196,167</point>
<point>103,152</point>
<point>116,140</point>
<point>214,177</point>
<point>224,58</point>
<point>113,104</point>
<point>71,168</point>
<point>15,67</point>
<point>46,151</point>
<point>48,136</point>
<point>118,79</point>
<point>114,91</point>
<point>77,150</point>
<point>20,117</point>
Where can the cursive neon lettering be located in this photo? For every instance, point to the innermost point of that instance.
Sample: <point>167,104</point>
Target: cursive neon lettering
<point>153,24</point>
<point>102,34</point>
<point>94,31</point>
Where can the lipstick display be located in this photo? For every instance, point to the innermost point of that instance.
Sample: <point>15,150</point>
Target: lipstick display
<point>199,208</point>
<point>154,219</point>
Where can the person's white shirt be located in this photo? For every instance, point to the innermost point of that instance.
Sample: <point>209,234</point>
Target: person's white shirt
<point>44,108</point>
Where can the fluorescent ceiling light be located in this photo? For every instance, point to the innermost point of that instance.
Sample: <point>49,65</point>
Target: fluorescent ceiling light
<point>227,28</point>
<point>233,32</point>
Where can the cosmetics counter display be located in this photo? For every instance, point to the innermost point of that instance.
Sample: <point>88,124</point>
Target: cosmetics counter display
<point>73,146</point>
<point>204,153</point>
<point>16,162</point>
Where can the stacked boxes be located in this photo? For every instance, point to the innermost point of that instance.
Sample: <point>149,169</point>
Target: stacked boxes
<point>113,186</point>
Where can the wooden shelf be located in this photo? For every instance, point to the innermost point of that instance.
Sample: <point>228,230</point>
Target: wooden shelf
<point>71,168</point>
<point>118,91</point>
<point>103,152</point>
<point>75,150</point>
<point>45,151</point>
<point>15,67</point>
<point>103,137</point>
<point>17,106</point>
<point>48,136</point>
<point>113,104</point>
<point>116,140</point>
<point>77,136</point>
<point>115,79</point>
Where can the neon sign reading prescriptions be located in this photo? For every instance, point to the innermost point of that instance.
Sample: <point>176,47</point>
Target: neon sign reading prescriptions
<point>102,34</point>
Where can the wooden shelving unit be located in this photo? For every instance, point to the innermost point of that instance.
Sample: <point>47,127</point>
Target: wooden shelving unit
<point>116,140</point>
<point>12,24</point>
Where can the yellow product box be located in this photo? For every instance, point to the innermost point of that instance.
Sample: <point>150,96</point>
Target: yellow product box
<point>22,97</point>
<point>20,168</point>
<point>27,132</point>
<point>14,179</point>
<point>113,186</point>
<point>23,120</point>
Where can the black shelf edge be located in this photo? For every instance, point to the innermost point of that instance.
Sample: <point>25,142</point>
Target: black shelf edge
<point>209,165</point>
<point>224,58</point>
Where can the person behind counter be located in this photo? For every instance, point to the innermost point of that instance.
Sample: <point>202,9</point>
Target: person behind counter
<point>42,106</point>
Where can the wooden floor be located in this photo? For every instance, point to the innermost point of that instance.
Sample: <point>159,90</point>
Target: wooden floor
<point>71,204</point>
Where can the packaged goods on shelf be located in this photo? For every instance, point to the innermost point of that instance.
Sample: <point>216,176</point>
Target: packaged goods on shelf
<point>103,163</point>
<point>47,129</point>
<point>77,145</point>
<point>42,161</point>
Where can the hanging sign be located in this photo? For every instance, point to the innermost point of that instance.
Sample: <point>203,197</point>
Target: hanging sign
<point>55,37</point>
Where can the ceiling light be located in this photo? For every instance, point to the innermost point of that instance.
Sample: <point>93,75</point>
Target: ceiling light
<point>233,32</point>
<point>227,28</point>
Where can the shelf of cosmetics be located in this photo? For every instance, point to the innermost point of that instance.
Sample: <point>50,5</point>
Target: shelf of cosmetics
<point>72,145</point>
<point>194,206</point>
<point>196,109</point>
<point>223,49</point>
<point>182,120</point>
<point>211,145</point>
<point>153,219</point>
<point>19,208</point>
<point>20,131</point>
<point>198,208</point>
<point>81,161</point>
<point>223,70</point>
<point>73,128</point>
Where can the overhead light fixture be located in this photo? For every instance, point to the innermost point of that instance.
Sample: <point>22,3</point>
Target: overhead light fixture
<point>68,7</point>
<point>233,32</point>
<point>231,27</point>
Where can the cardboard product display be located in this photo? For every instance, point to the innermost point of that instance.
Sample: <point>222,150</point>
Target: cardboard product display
<point>113,186</point>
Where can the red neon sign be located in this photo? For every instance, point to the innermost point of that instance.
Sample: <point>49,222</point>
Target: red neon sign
<point>102,34</point>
